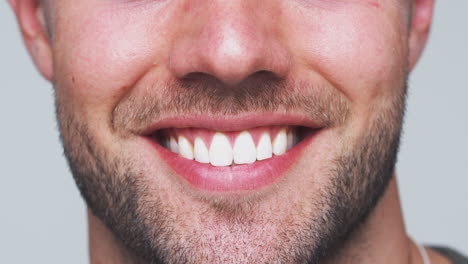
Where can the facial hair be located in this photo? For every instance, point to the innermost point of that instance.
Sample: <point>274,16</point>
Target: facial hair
<point>118,192</point>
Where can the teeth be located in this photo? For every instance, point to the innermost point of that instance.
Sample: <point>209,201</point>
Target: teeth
<point>244,149</point>
<point>280,143</point>
<point>185,148</point>
<point>201,152</point>
<point>173,146</point>
<point>264,149</point>
<point>220,150</point>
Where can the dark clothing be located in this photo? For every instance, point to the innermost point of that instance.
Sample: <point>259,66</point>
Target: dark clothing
<point>451,254</point>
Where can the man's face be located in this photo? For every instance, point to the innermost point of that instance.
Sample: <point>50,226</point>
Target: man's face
<point>317,84</point>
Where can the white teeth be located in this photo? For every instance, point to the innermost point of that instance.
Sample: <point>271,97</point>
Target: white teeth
<point>280,143</point>
<point>220,150</point>
<point>264,149</point>
<point>290,140</point>
<point>244,149</point>
<point>185,148</point>
<point>173,146</point>
<point>201,151</point>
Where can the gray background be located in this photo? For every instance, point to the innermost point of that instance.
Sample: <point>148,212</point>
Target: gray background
<point>42,217</point>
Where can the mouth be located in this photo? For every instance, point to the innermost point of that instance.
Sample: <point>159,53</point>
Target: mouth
<point>232,154</point>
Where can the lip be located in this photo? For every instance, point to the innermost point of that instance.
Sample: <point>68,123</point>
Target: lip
<point>233,123</point>
<point>234,178</point>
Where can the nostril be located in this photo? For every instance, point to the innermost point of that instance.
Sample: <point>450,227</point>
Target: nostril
<point>199,77</point>
<point>231,56</point>
<point>259,76</point>
<point>264,76</point>
<point>257,90</point>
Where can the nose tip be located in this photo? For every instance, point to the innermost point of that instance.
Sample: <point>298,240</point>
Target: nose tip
<point>230,48</point>
<point>230,57</point>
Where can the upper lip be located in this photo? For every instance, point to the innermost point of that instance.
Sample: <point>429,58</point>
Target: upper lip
<point>232,123</point>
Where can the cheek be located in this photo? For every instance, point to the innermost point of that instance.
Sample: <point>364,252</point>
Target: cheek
<point>102,55</point>
<point>360,50</point>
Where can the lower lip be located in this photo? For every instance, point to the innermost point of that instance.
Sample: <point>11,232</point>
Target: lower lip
<point>232,178</point>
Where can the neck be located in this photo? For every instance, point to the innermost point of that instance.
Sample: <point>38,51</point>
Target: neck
<point>381,239</point>
<point>104,247</point>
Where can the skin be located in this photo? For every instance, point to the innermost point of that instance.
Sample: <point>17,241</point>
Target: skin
<point>104,57</point>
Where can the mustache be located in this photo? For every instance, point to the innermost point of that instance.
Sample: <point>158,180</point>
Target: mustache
<point>202,94</point>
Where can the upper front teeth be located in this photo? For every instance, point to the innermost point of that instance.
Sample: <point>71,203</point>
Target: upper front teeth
<point>244,151</point>
<point>220,150</point>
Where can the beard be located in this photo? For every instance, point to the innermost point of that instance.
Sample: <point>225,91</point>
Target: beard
<point>155,229</point>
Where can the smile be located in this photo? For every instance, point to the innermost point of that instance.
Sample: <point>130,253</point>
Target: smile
<point>232,147</point>
<point>231,154</point>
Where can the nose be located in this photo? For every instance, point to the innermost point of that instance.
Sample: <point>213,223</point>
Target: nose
<point>229,40</point>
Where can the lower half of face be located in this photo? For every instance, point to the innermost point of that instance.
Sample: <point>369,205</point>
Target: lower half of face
<point>171,202</point>
<point>255,136</point>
